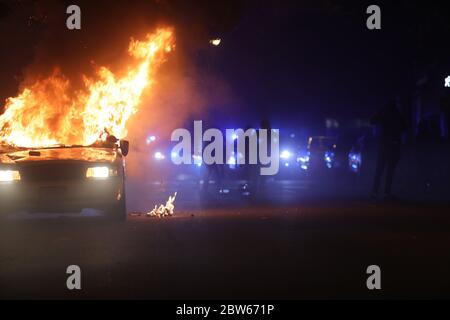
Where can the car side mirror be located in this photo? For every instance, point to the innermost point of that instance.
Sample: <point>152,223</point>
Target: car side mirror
<point>124,147</point>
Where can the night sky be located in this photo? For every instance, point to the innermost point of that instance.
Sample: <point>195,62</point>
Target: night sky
<point>293,62</point>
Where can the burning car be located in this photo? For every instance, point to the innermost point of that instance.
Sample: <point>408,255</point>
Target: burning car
<point>64,178</point>
<point>58,149</point>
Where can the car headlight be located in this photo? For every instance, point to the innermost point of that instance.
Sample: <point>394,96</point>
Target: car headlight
<point>329,157</point>
<point>159,156</point>
<point>286,154</point>
<point>303,158</point>
<point>100,172</point>
<point>150,139</point>
<point>9,175</point>
<point>198,160</point>
<point>232,160</point>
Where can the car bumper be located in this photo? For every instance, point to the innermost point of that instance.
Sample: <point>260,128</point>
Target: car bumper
<point>60,196</point>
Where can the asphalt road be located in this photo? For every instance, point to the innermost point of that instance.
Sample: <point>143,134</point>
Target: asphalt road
<point>229,248</point>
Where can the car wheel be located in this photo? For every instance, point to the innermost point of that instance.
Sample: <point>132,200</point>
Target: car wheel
<point>118,211</point>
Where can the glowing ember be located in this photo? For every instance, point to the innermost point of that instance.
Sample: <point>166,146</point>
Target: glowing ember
<point>163,211</point>
<point>48,112</point>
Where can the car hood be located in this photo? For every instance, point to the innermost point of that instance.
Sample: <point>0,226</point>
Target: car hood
<point>86,154</point>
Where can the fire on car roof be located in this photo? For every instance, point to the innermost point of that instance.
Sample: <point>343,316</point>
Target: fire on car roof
<point>82,117</point>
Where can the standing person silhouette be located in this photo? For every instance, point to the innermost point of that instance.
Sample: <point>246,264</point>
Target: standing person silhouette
<point>260,180</point>
<point>214,171</point>
<point>390,125</point>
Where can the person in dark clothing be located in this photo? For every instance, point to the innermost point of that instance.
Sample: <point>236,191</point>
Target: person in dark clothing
<point>260,180</point>
<point>424,142</point>
<point>390,125</point>
<point>214,171</point>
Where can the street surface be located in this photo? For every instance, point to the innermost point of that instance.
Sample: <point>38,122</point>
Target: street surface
<point>301,240</point>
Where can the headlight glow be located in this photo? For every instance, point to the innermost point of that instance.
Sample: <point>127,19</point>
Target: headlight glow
<point>232,160</point>
<point>159,156</point>
<point>329,156</point>
<point>100,172</point>
<point>174,156</point>
<point>197,160</point>
<point>286,154</point>
<point>329,159</point>
<point>9,175</point>
<point>150,139</point>
<point>303,159</point>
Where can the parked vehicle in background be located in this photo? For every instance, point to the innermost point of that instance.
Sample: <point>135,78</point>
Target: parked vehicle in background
<point>362,156</point>
<point>320,154</point>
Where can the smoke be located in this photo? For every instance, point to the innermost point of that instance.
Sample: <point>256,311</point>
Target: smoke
<point>180,94</point>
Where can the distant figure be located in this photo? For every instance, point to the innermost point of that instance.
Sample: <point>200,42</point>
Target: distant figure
<point>424,141</point>
<point>247,169</point>
<point>217,171</point>
<point>260,180</point>
<point>214,171</point>
<point>390,125</point>
<point>428,153</point>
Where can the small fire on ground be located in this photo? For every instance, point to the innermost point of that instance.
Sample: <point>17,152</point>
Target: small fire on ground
<point>166,210</point>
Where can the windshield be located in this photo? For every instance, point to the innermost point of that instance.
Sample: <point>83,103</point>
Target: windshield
<point>6,148</point>
<point>109,142</point>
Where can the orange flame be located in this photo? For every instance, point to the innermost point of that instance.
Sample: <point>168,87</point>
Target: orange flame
<point>47,112</point>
